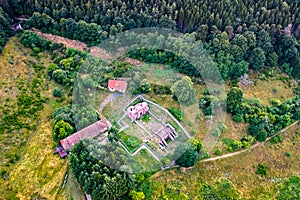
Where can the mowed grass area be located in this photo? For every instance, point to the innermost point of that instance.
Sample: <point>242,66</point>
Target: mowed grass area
<point>282,161</point>
<point>268,89</point>
<point>29,169</point>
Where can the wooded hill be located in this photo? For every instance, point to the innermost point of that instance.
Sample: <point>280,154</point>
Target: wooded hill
<point>238,34</point>
<point>182,14</point>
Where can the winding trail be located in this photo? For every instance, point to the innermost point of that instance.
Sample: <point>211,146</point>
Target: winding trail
<point>252,147</point>
<point>157,174</point>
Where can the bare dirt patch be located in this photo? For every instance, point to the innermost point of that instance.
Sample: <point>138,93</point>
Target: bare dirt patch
<point>75,44</point>
<point>99,52</point>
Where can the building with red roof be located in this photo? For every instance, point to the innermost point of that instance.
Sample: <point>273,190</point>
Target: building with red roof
<point>117,85</point>
<point>90,131</point>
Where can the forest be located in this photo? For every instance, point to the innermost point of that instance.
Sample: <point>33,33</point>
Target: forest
<point>240,37</point>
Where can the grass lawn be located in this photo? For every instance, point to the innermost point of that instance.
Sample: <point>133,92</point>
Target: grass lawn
<point>146,162</point>
<point>159,74</point>
<point>131,142</point>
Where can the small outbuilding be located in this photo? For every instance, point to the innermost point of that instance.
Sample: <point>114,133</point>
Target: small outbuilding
<point>117,85</point>
<point>60,150</point>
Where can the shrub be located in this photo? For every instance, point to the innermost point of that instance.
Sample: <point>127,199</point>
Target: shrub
<point>246,145</point>
<point>288,154</point>
<point>275,90</point>
<point>261,136</point>
<point>51,68</point>
<point>146,118</point>
<point>216,132</point>
<point>275,102</point>
<point>276,139</point>
<point>176,113</point>
<point>4,174</point>
<point>165,161</point>
<point>218,152</point>
<point>261,169</point>
<point>57,92</point>
<point>290,189</point>
<point>36,50</point>
<point>189,156</point>
<point>136,195</point>
<point>62,130</point>
<point>161,89</point>
<point>237,118</point>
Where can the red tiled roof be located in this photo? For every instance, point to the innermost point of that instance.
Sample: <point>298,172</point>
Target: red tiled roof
<point>88,132</point>
<point>117,85</point>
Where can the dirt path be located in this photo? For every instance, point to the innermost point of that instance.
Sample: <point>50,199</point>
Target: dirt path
<point>252,147</point>
<point>156,175</point>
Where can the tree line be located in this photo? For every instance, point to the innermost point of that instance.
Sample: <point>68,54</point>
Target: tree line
<point>182,15</point>
<point>5,28</point>
<point>239,35</point>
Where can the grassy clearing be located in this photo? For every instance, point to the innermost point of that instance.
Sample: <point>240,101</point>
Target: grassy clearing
<point>146,162</point>
<point>241,170</point>
<point>33,170</point>
<point>160,74</point>
<point>268,89</point>
<point>40,170</point>
<point>131,142</point>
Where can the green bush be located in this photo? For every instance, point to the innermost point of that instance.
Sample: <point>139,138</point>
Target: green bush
<point>276,139</point>
<point>176,113</point>
<point>62,130</point>
<point>261,136</point>
<point>261,169</point>
<point>288,154</point>
<point>165,161</point>
<point>275,90</point>
<point>146,118</point>
<point>216,132</point>
<point>57,92</point>
<point>186,155</point>
<point>237,118</point>
<point>4,174</point>
<point>218,152</point>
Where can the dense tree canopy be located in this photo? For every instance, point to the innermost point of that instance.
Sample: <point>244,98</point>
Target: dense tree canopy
<point>5,29</point>
<point>183,15</point>
<point>234,100</point>
<point>184,91</point>
<point>99,179</point>
<point>62,130</point>
<point>245,34</point>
